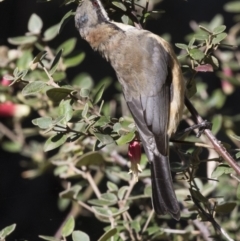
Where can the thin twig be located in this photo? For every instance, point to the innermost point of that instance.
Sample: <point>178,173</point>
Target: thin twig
<point>93,184</point>
<point>193,143</point>
<point>5,131</point>
<point>219,148</point>
<point>203,230</point>
<point>148,221</point>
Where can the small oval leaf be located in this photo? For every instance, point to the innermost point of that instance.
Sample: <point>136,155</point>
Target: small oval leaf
<point>51,33</point>
<point>74,60</point>
<point>22,40</point>
<point>220,37</point>
<point>7,230</point>
<point>55,62</point>
<point>225,207</point>
<point>33,88</point>
<point>58,94</point>
<point>35,24</point>
<point>90,158</point>
<point>68,227</point>
<point>120,5</point>
<point>80,236</point>
<point>98,95</point>
<point>196,54</point>
<point>54,141</point>
<point>108,234</point>
<point>181,46</point>
<point>219,29</point>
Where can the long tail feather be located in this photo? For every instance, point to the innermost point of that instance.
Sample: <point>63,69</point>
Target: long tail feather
<point>163,195</point>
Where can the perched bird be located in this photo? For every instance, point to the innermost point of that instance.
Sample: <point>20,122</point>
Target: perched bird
<point>152,84</point>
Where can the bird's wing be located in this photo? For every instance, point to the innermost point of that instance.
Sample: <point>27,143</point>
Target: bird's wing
<point>150,104</point>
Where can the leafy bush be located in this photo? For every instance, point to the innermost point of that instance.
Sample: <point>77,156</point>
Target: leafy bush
<point>90,143</point>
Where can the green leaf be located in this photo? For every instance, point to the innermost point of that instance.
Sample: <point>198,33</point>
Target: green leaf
<point>49,238</point>
<point>216,21</point>
<point>22,40</point>
<point>11,146</point>
<point>105,81</point>
<point>80,236</point>
<point>220,170</point>
<point>120,211</point>
<point>196,54</point>
<point>225,207</point>
<point>201,36</point>
<point>102,211</point>
<point>124,139</point>
<point>98,95</point>
<point>104,138</point>
<point>33,88</point>
<point>135,224</point>
<point>233,7</point>
<point>125,19</point>
<point>191,42</point>
<point>90,158</point>
<point>65,19</point>
<point>54,141</point>
<point>117,127</point>
<point>71,193</point>
<point>68,227</point>
<point>219,29</point>
<point>85,110</point>
<point>83,80</point>
<point>58,120</point>
<point>217,123</point>
<point>212,61</point>
<point>198,195</point>
<point>237,155</point>
<point>122,191</point>
<point>24,61</point>
<point>205,29</point>
<point>235,137</point>
<point>65,109</point>
<point>217,99</point>
<point>43,122</point>
<point>68,46</point>
<point>220,37</point>
<point>108,234</point>
<point>102,121</point>
<point>35,24</point>
<point>39,57</point>
<point>60,170</point>
<point>112,186</point>
<point>58,94</point>
<point>100,202</point>
<point>148,191</point>
<point>120,5</point>
<point>84,93</point>
<point>74,61</point>
<point>55,62</point>
<point>109,197</point>
<point>7,231</point>
<point>181,46</point>
<point>51,33</point>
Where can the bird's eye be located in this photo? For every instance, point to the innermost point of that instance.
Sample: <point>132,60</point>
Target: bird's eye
<point>95,3</point>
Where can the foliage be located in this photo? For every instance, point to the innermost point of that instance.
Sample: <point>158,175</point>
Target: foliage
<point>90,144</point>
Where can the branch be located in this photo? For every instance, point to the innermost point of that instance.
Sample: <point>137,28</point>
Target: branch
<point>219,148</point>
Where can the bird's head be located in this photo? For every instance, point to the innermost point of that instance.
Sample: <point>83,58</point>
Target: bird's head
<point>90,13</point>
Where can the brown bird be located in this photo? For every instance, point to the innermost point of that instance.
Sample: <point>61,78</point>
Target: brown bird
<point>153,87</point>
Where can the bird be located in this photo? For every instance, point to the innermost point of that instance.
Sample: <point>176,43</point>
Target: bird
<point>153,87</point>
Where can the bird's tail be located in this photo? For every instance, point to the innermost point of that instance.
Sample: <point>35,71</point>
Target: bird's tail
<point>163,195</point>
